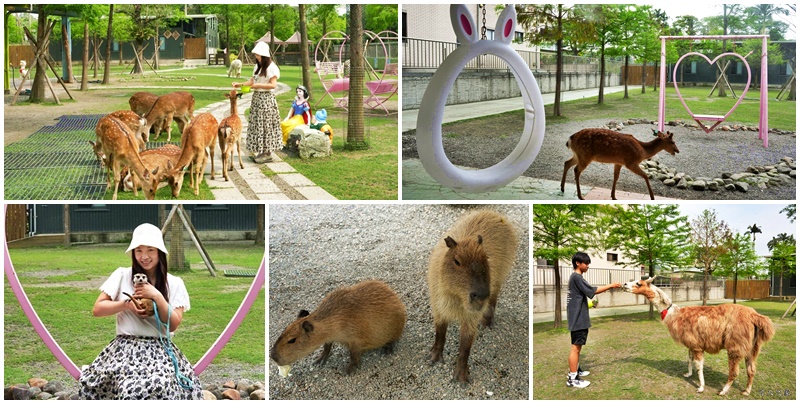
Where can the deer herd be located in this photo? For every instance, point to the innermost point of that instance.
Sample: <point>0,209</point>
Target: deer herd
<point>122,137</point>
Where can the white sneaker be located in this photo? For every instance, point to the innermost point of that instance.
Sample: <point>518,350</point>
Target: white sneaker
<point>577,382</point>
<point>583,373</point>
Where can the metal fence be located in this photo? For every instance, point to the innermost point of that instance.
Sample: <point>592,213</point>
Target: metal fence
<point>543,275</point>
<point>427,54</point>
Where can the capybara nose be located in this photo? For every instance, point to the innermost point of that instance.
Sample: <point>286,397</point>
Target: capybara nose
<point>479,295</point>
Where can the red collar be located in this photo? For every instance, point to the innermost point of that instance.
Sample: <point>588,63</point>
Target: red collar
<point>664,313</point>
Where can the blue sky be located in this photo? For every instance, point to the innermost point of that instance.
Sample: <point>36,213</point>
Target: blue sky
<point>739,216</point>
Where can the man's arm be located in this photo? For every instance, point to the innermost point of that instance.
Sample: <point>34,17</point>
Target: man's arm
<point>602,289</point>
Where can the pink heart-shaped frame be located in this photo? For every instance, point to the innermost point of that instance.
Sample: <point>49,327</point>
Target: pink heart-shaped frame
<point>62,357</point>
<point>700,118</point>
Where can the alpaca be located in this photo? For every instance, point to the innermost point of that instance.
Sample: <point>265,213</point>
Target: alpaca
<point>737,329</point>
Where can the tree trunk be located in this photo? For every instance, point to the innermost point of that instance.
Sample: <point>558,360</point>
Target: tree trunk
<point>705,284</point>
<point>652,273</point>
<point>38,85</point>
<point>644,76</point>
<point>138,54</point>
<point>85,70</point>
<point>67,51</point>
<point>95,55</point>
<point>157,41</point>
<point>356,138</point>
<point>600,94</point>
<point>625,79</point>
<point>735,283</point>
<point>304,56</point>
<point>109,38</point>
<point>559,67</point>
<point>260,224</point>
<point>557,287</point>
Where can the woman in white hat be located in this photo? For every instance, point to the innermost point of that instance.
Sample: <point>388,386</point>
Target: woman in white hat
<point>141,362</point>
<point>264,129</point>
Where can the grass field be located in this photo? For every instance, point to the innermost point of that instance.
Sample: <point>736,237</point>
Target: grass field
<point>632,357</point>
<point>62,284</point>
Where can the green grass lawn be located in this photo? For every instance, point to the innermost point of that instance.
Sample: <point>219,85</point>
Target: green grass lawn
<point>631,357</point>
<point>62,284</point>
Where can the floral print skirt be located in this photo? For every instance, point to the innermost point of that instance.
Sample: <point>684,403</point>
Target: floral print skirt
<point>138,368</point>
<point>264,129</point>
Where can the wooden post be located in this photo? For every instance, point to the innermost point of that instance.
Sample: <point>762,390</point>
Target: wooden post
<point>187,223</point>
<point>67,232</point>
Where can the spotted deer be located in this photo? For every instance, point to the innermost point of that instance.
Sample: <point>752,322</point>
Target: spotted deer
<point>178,105</point>
<point>197,142</point>
<point>140,103</point>
<point>157,161</point>
<point>130,119</point>
<point>118,145</point>
<point>619,149</point>
<point>230,133</point>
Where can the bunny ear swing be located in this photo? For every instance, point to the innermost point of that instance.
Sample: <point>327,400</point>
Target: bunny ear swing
<point>429,121</point>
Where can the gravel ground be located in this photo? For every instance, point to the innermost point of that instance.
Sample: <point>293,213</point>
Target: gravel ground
<point>316,248</point>
<point>701,155</point>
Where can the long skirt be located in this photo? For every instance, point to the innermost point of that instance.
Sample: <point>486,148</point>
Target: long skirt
<point>138,368</point>
<point>264,128</point>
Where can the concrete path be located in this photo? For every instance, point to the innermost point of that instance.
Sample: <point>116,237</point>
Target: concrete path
<point>286,184</point>
<point>418,185</point>
<point>614,311</point>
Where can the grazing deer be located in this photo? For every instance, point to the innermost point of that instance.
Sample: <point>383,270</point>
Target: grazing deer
<point>198,140</point>
<point>140,103</point>
<point>130,119</point>
<point>178,105</point>
<point>608,146</point>
<point>117,144</point>
<point>738,329</point>
<point>230,133</point>
<point>157,161</point>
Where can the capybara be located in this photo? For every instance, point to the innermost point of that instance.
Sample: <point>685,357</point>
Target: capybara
<point>466,272</point>
<point>361,317</point>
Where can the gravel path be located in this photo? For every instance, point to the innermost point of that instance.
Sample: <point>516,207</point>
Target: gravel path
<point>478,144</point>
<point>316,248</point>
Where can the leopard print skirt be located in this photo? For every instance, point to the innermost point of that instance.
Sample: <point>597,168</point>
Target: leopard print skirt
<point>264,129</point>
<point>138,368</point>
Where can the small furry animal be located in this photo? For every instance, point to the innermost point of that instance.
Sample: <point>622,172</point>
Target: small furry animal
<point>143,303</point>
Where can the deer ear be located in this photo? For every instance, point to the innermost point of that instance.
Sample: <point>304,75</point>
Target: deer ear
<point>463,24</point>
<point>506,25</point>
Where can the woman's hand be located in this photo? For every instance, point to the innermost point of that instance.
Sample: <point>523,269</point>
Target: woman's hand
<point>146,290</point>
<point>132,308</point>
<point>236,85</point>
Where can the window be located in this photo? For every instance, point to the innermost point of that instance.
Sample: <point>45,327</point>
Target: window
<point>490,34</point>
<point>519,37</point>
<point>785,69</point>
<point>115,46</point>
<point>690,68</point>
<point>612,257</point>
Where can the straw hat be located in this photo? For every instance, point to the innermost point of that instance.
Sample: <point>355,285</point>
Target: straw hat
<point>149,235</point>
<point>261,49</point>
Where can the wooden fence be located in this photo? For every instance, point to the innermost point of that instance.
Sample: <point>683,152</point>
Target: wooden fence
<point>20,52</point>
<point>16,222</point>
<point>748,289</point>
<point>635,75</point>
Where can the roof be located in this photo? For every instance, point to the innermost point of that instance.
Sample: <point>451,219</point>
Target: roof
<point>268,38</point>
<point>295,39</point>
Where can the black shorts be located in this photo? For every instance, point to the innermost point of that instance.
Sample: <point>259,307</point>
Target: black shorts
<point>579,336</point>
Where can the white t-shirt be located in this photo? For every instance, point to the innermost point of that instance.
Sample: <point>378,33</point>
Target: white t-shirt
<point>129,323</point>
<point>272,71</point>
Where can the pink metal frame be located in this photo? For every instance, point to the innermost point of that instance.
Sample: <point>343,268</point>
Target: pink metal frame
<point>763,128</point>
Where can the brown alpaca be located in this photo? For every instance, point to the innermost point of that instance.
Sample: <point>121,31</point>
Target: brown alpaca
<point>465,275</point>
<point>739,330</point>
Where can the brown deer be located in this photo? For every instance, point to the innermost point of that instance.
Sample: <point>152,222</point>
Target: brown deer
<point>118,145</point>
<point>157,161</point>
<point>140,103</point>
<point>230,133</point>
<point>130,119</point>
<point>198,140</point>
<point>178,105</point>
<point>608,146</point>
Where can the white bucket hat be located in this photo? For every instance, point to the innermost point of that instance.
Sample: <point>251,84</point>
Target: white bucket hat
<point>261,49</point>
<point>149,235</point>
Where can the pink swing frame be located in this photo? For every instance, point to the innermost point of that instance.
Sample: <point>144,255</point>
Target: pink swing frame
<point>763,129</point>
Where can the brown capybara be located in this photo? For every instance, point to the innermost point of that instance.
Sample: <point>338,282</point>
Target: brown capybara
<point>361,317</point>
<point>466,272</point>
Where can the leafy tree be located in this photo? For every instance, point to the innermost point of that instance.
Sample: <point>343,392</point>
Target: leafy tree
<point>753,230</point>
<point>109,37</point>
<point>791,211</point>
<point>304,57</point>
<point>652,236</point>
<point>144,22</point>
<point>380,17</point>
<point>739,258</point>
<point>630,33</point>
<point>559,231</point>
<point>324,18</point>
<point>784,257</point>
<point>553,23</point>
<point>355,114</point>
<point>686,25</point>
<point>760,19</point>
<point>15,33</point>
<point>604,19</point>
<point>708,239</point>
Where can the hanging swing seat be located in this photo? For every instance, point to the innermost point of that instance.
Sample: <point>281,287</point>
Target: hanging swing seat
<point>331,75</point>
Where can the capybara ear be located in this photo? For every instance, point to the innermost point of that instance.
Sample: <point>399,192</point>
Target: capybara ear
<point>480,239</point>
<point>450,242</point>
<point>307,326</point>
<point>669,134</point>
<point>303,313</point>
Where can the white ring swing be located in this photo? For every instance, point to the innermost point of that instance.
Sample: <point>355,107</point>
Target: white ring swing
<point>429,121</point>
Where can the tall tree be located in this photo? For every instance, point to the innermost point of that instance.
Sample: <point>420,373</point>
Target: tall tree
<point>305,64</point>
<point>604,18</point>
<point>739,258</point>
<point>38,85</point>
<point>553,23</point>
<point>356,138</point>
<point>381,17</point>
<point>559,231</point>
<point>753,230</point>
<point>109,38</point>
<point>784,257</point>
<point>790,211</point>
<point>651,236</point>
<point>145,20</point>
<point>631,31</point>
<point>761,19</point>
<point>708,239</point>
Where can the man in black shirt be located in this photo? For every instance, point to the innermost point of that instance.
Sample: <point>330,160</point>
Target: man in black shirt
<point>578,294</point>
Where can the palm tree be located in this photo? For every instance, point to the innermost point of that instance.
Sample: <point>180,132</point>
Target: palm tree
<point>753,230</point>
